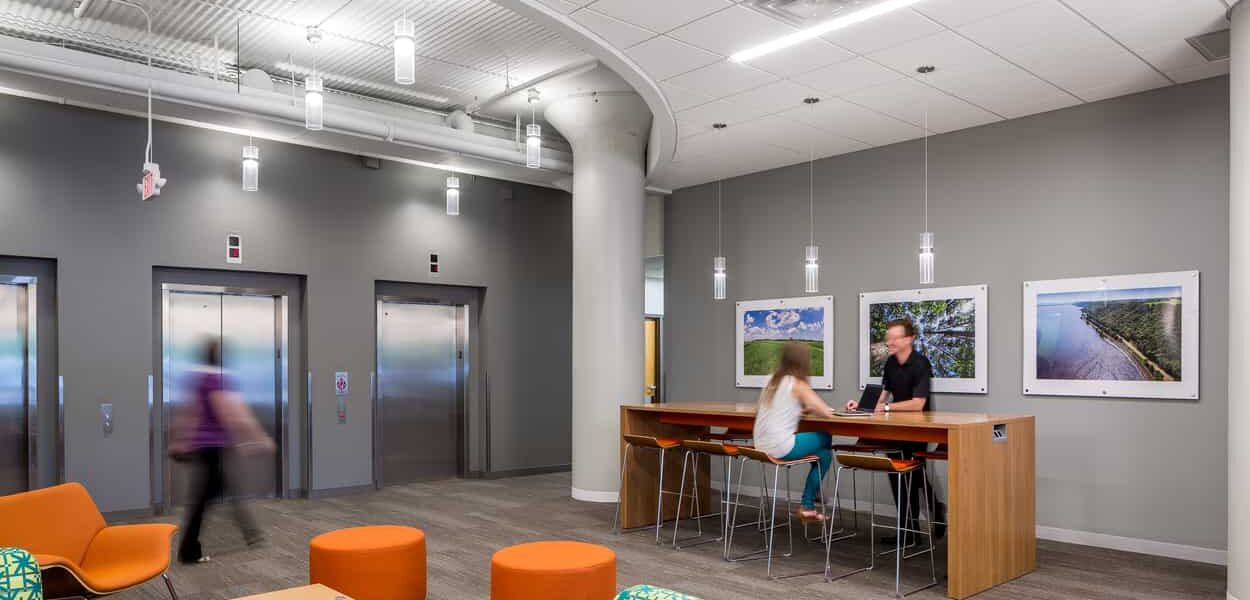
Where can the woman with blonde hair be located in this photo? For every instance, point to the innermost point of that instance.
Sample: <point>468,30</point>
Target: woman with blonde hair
<point>785,399</point>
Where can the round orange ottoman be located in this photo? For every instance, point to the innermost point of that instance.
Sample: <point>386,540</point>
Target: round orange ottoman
<point>381,562</point>
<point>565,570</point>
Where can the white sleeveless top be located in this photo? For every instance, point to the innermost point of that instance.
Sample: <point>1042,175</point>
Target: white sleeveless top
<point>776,422</point>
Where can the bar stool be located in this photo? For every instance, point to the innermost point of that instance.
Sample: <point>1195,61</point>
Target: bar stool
<point>695,449</point>
<point>903,470</point>
<point>662,445</point>
<point>745,454</point>
<point>856,448</point>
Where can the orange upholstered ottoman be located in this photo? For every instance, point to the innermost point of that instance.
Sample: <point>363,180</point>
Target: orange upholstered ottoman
<point>565,570</point>
<point>381,562</point>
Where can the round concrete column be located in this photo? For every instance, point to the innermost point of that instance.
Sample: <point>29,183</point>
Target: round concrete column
<point>1238,296</point>
<point>608,132</point>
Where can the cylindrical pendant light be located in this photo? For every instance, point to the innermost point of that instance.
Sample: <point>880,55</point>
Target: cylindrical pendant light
<point>811,270</point>
<point>251,167</point>
<point>405,51</point>
<point>926,258</point>
<point>313,115</point>
<point>533,136</point>
<point>453,195</point>
<point>534,146</point>
<point>718,261</point>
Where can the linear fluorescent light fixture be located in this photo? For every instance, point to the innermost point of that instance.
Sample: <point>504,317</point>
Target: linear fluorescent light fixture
<point>820,29</point>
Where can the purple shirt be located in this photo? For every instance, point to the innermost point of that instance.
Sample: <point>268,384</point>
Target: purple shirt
<point>209,431</point>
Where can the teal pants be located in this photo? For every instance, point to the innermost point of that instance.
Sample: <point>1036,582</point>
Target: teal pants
<point>820,445</point>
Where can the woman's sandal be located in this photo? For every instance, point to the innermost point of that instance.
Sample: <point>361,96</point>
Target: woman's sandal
<point>811,514</point>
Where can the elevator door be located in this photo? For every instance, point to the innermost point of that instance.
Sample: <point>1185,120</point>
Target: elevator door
<point>419,384</point>
<point>249,331</point>
<point>14,443</point>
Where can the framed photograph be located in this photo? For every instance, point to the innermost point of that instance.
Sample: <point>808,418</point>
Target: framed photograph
<point>764,326</point>
<point>1123,336</point>
<point>951,331</point>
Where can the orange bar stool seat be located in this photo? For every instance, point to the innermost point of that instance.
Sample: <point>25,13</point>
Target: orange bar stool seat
<point>379,562</point>
<point>553,569</point>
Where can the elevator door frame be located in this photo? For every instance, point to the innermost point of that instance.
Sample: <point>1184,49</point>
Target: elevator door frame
<point>162,492</point>
<point>463,374</point>
<point>30,307</point>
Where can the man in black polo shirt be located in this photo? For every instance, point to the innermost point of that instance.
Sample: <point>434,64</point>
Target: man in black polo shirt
<point>905,388</point>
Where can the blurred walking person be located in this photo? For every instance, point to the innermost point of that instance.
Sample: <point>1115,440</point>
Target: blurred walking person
<point>213,421</point>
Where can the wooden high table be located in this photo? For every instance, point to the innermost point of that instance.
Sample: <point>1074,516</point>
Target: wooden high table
<point>991,504</point>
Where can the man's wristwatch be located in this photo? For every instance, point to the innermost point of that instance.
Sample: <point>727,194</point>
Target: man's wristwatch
<point>887,407</point>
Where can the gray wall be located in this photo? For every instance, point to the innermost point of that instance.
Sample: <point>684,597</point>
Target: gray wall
<point>68,193</point>
<point>1131,185</point>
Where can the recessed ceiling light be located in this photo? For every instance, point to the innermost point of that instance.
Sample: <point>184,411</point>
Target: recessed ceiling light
<point>925,69</point>
<point>820,29</point>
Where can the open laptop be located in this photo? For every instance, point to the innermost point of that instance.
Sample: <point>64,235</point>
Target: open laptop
<point>867,403</point>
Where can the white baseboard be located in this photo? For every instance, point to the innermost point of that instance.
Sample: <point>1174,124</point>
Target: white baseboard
<point>594,496</point>
<point>1213,556</point>
<point>1231,596</point>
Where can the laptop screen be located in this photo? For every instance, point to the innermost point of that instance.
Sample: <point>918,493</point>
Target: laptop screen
<point>868,400</point>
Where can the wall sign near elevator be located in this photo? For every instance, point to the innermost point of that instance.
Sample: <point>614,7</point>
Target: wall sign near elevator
<point>234,249</point>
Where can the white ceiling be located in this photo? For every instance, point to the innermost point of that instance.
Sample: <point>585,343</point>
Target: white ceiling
<point>467,49</point>
<point>995,59</point>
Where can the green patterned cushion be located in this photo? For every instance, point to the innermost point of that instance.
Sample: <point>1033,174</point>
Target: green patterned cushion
<point>646,592</point>
<point>19,575</point>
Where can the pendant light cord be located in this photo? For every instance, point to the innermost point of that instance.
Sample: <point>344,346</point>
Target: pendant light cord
<point>719,218</point>
<point>926,167</point>
<point>811,188</point>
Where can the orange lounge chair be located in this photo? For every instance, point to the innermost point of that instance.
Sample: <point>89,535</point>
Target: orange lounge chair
<point>77,553</point>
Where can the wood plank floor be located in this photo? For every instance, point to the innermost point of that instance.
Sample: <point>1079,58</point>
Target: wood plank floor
<point>466,521</point>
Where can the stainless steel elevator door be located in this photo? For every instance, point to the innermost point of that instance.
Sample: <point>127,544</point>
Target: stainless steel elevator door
<point>247,328</point>
<point>14,464</point>
<point>418,392</point>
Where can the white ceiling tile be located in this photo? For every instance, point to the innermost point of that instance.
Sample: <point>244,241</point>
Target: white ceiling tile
<point>946,50</point>
<point>681,98</point>
<point>801,58</point>
<point>953,13</point>
<point>1171,55</point>
<point>659,15</point>
<point>1042,21</point>
<point>884,31</point>
<point>847,76</point>
<point>698,120</point>
<point>908,100</point>
<point>617,32</point>
<point>1125,82</point>
<point>1203,71</point>
<point>662,57</point>
<point>1004,89</point>
<point>723,78</point>
<point>1156,29</point>
<point>855,122</point>
<point>1096,62</point>
<point>562,6</point>
<point>731,30</point>
<point>774,97</point>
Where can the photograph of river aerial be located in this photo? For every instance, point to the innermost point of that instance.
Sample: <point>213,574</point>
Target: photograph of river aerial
<point>1118,335</point>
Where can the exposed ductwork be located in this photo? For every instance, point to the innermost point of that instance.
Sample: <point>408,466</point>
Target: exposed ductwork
<point>41,60</point>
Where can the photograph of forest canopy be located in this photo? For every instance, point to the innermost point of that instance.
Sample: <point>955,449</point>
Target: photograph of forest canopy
<point>1123,334</point>
<point>945,334</point>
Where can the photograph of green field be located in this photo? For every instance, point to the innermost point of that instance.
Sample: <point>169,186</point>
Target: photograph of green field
<point>766,331</point>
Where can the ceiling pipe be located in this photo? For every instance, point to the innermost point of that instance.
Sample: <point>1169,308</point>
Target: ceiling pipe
<point>81,8</point>
<point>42,60</point>
<point>564,72</point>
